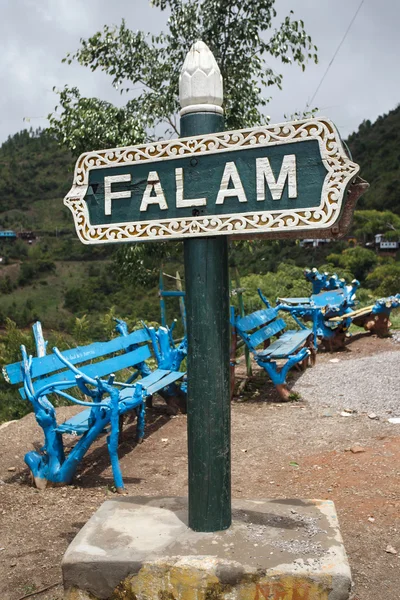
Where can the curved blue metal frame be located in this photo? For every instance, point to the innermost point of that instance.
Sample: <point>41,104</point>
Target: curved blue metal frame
<point>110,400</point>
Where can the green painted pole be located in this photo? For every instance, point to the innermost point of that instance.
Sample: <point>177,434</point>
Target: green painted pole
<point>207,306</point>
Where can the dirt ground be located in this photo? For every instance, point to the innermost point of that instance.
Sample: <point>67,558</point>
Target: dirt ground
<point>278,450</point>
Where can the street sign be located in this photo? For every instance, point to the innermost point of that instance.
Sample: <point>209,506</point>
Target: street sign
<point>289,179</point>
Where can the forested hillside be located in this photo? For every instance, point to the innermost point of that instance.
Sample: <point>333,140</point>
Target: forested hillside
<point>75,290</point>
<point>33,168</point>
<point>376,147</point>
<point>57,279</point>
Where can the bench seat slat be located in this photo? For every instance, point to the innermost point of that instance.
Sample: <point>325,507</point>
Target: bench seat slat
<point>154,382</point>
<point>173,376</point>
<point>147,382</point>
<point>77,424</point>
<point>288,343</point>
<point>153,377</point>
<point>50,363</point>
<point>266,332</point>
<point>260,317</point>
<point>100,369</point>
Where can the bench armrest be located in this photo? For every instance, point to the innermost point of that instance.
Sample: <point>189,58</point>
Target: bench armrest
<point>72,367</point>
<point>285,308</point>
<point>263,298</point>
<point>39,396</point>
<point>105,405</point>
<point>121,327</point>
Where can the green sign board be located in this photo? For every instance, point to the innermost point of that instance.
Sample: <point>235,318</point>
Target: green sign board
<point>280,179</point>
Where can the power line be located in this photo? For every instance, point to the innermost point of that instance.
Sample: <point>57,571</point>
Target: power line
<point>335,54</point>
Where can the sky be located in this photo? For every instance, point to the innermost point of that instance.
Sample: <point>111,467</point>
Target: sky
<point>362,83</point>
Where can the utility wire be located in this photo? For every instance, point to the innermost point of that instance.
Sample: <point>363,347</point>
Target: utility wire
<point>335,54</point>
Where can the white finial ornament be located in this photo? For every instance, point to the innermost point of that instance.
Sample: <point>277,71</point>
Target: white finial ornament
<point>200,81</point>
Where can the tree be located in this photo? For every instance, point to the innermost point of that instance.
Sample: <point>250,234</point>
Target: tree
<point>241,35</point>
<point>375,147</point>
<point>367,223</point>
<point>385,279</point>
<point>358,261</point>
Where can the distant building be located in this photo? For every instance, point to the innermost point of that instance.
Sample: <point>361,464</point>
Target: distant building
<point>313,243</point>
<point>388,245</point>
<point>26,235</point>
<point>382,245</point>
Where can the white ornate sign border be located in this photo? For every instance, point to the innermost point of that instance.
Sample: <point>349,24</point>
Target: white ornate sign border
<point>341,171</point>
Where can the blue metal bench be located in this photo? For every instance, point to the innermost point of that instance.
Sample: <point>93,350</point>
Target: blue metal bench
<point>322,282</point>
<point>331,297</point>
<point>331,309</point>
<point>374,318</point>
<point>319,309</point>
<point>277,356</point>
<point>168,355</point>
<point>83,368</point>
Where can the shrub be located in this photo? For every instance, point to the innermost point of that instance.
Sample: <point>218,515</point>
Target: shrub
<point>385,279</point>
<point>357,260</point>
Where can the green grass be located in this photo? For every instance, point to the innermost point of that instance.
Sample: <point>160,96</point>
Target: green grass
<point>43,215</point>
<point>49,215</point>
<point>395,318</point>
<point>46,295</point>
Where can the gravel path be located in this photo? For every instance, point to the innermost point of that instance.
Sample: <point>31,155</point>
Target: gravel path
<point>370,384</point>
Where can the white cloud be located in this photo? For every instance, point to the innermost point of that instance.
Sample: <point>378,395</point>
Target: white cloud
<point>362,82</point>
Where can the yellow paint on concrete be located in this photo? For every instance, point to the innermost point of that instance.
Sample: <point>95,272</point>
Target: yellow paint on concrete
<point>283,588</point>
<point>195,579</point>
<point>173,582</point>
<point>166,581</point>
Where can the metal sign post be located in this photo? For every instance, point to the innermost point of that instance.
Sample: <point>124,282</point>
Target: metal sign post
<point>288,180</point>
<point>207,296</point>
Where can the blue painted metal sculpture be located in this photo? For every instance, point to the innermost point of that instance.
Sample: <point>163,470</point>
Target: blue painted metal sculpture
<point>61,371</point>
<point>323,281</point>
<point>331,309</point>
<point>289,349</point>
<point>168,356</point>
<point>178,293</point>
<point>320,308</point>
<point>375,318</point>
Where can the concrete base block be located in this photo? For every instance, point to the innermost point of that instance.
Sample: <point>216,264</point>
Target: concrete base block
<point>141,548</point>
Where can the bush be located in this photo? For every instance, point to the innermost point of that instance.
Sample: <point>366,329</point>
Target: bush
<point>385,279</point>
<point>75,299</point>
<point>287,281</point>
<point>357,260</point>
<point>29,270</point>
<point>6,285</point>
<point>11,341</point>
<point>12,406</point>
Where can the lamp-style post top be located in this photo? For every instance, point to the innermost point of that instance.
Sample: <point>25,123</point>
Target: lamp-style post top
<point>200,82</point>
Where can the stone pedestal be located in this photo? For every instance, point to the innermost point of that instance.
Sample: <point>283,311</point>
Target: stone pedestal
<point>140,548</point>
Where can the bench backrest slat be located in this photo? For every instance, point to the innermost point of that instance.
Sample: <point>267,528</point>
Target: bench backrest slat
<point>99,369</point>
<point>50,363</point>
<point>334,297</point>
<point>263,334</point>
<point>260,317</point>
